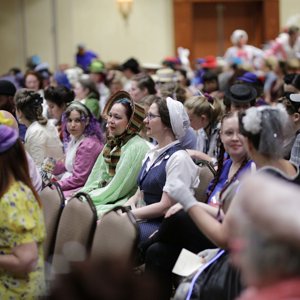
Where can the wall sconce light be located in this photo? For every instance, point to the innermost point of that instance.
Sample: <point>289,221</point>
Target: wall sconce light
<point>124,7</point>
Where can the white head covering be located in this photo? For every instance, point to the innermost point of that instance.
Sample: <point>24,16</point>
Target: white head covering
<point>237,35</point>
<point>180,121</point>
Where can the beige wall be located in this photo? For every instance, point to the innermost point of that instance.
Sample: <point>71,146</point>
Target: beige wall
<point>289,12</point>
<point>53,28</point>
<point>11,35</point>
<point>53,33</point>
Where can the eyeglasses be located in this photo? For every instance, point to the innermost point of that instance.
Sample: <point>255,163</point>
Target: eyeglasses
<point>150,116</point>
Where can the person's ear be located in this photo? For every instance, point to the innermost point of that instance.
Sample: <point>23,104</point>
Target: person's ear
<point>296,117</point>
<point>145,92</point>
<point>204,118</point>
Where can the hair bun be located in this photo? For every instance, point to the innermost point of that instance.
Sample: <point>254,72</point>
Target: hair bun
<point>38,99</point>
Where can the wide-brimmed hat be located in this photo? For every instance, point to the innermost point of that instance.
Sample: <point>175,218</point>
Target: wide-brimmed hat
<point>241,93</point>
<point>138,113</point>
<point>164,75</point>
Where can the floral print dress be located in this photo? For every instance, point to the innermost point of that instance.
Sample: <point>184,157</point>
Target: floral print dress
<point>21,222</point>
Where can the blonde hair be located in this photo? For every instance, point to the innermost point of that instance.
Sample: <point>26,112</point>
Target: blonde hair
<point>205,105</point>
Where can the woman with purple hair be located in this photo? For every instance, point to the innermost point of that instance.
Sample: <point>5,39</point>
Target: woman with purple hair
<point>83,137</point>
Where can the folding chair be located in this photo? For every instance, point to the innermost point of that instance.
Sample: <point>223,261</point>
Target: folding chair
<point>75,231</point>
<point>207,173</point>
<point>53,202</point>
<point>116,236</point>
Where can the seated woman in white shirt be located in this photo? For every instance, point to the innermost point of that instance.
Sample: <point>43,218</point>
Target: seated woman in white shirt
<point>166,122</point>
<point>41,139</point>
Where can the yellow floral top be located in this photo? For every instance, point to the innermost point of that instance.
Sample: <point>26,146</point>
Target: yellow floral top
<point>21,222</point>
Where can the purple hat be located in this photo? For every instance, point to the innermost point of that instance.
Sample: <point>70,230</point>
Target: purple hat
<point>248,77</point>
<point>8,137</point>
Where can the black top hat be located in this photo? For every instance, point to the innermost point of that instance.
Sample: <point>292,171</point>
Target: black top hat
<point>241,93</point>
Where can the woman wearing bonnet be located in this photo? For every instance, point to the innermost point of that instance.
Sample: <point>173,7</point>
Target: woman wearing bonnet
<point>166,122</point>
<point>113,178</point>
<point>180,230</point>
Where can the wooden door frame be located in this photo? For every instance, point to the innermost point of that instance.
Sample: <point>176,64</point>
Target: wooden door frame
<point>183,20</point>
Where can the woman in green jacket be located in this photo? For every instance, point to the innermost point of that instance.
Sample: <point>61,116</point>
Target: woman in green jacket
<point>113,179</point>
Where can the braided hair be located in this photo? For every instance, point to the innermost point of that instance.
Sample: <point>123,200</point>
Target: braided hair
<point>30,104</point>
<point>220,159</point>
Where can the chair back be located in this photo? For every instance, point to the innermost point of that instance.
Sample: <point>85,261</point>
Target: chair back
<point>75,230</point>
<point>206,175</point>
<point>53,202</point>
<point>116,236</point>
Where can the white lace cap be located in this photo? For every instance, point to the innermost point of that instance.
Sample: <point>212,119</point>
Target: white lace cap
<point>179,118</point>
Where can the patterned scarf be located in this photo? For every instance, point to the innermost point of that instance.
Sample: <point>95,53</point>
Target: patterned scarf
<point>112,149</point>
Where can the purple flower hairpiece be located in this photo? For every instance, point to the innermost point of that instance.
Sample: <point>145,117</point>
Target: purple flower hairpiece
<point>209,98</point>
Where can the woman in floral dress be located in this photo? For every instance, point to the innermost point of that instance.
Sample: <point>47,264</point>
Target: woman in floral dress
<point>22,228</point>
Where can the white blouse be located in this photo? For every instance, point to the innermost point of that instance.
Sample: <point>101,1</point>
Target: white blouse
<point>43,141</point>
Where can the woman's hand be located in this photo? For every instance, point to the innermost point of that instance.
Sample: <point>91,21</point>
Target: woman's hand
<point>173,210</point>
<point>22,260</point>
<point>134,199</point>
<point>208,254</point>
<point>182,194</point>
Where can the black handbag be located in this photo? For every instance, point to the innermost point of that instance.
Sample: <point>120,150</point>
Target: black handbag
<point>216,280</point>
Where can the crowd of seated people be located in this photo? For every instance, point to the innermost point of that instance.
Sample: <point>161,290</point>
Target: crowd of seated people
<point>136,139</point>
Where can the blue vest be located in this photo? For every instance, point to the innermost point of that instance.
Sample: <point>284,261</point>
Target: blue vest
<point>151,182</point>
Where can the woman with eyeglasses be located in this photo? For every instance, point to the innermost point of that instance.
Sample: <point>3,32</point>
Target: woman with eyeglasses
<point>265,131</point>
<point>166,122</point>
<point>178,229</point>
<point>113,178</point>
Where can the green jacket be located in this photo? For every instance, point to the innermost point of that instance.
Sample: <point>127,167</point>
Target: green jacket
<point>123,184</point>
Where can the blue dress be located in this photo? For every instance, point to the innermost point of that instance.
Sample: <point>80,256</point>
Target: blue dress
<point>213,197</point>
<point>152,182</point>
